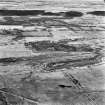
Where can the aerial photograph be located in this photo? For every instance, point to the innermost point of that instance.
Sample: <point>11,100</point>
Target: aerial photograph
<point>52,52</point>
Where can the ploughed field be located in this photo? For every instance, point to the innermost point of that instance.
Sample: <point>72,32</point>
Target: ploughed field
<point>52,52</point>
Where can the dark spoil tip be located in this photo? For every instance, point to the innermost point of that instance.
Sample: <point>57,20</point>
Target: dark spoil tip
<point>72,14</point>
<point>20,12</point>
<point>97,13</point>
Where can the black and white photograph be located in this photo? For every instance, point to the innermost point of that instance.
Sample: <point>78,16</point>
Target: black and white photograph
<point>52,52</point>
